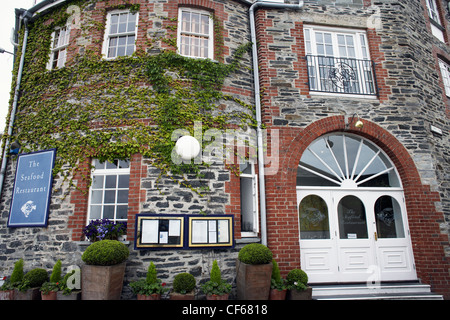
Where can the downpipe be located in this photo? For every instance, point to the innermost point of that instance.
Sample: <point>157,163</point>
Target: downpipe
<point>260,145</point>
<point>25,17</point>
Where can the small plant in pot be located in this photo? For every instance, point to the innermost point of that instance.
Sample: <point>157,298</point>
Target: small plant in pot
<point>183,287</point>
<point>216,288</point>
<point>7,290</point>
<point>104,269</point>
<point>254,270</point>
<point>70,286</point>
<point>298,289</point>
<point>278,286</point>
<point>50,288</point>
<point>28,289</point>
<point>149,288</point>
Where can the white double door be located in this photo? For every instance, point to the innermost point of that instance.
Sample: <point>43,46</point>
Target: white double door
<point>354,236</point>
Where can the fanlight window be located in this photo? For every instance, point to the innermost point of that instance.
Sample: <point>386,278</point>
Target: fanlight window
<point>343,160</point>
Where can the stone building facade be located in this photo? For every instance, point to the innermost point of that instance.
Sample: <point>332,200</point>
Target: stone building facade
<point>323,66</point>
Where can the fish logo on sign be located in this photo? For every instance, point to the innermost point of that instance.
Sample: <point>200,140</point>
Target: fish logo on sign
<point>28,208</point>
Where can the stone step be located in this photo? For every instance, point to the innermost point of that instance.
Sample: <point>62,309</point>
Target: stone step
<point>384,291</point>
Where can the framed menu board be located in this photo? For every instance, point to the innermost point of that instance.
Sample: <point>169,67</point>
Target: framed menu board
<point>159,231</point>
<point>165,231</point>
<point>211,231</point>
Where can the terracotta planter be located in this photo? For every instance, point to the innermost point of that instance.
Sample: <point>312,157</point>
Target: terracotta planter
<point>277,294</point>
<point>49,296</point>
<point>30,294</point>
<point>180,296</point>
<point>300,295</point>
<point>154,296</point>
<point>102,282</point>
<point>217,296</point>
<point>7,295</point>
<point>74,295</point>
<point>253,281</point>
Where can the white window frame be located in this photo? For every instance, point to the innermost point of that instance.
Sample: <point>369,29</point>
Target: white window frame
<point>254,201</point>
<point>94,188</point>
<point>445,73</point>
<point>59,48</point>
<point>435,20</point>
<point>205,36</point>
<point>361,52</point>
<point>108,35</point>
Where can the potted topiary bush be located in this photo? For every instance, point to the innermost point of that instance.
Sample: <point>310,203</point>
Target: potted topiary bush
<point>278,286</point>
<point>28,289</point>
<point>297,280</point>
<point>216,288</point>
<point>50,288</point>
<point>254,270</point>
<point>149,288</point>
<point>7,290</point>
<point>183,287</point>
<point>103,271</point>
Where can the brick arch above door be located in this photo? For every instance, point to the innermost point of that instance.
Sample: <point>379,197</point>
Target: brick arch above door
<point>424,218</point>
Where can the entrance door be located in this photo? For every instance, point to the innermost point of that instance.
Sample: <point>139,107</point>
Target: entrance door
<point>353,223</point>
<point>354,236</point>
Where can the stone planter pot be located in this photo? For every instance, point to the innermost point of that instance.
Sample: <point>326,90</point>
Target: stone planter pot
<point>300,295</point>
<point>49,296</point>
<point>102,282</point>
<point>253,281</point>
<point>154,296</point>
<point>74,295</point>
<point>277,294</point>
<point>180,296</point>
<point>217,296</point>
<point>30,294</point>
<point>7,295</point>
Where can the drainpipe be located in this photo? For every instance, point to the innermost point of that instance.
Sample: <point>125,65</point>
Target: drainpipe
<point>262,187</point>
<point>26,15</point>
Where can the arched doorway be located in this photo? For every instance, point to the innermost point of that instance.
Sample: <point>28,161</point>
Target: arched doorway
<point>352,214</point>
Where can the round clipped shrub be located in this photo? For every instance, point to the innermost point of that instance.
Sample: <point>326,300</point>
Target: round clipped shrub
<point>255,253</point>
<point>105,253</point>
<point>35,278</point>
<point>183,283</point>
<point>297,276</point>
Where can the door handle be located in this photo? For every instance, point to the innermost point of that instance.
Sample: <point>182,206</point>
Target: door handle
<point>376,236</point>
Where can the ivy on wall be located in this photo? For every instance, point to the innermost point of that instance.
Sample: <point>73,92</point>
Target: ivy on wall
<point>112,109</point>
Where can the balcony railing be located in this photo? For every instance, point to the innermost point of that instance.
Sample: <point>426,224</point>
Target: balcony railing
<point>341,75</point>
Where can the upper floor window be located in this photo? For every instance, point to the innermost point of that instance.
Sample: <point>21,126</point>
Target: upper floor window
<point>108,196</point>
<point>195,33</point>
<point>60,42</point>
<point>120,34</point>
<point>436,25</point>
<point>339,61</point>
<point>445,73</point>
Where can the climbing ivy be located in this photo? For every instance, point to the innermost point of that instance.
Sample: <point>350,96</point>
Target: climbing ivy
<point>112,109</point>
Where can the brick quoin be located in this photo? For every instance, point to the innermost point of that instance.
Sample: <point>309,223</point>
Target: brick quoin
<point>423,217</point>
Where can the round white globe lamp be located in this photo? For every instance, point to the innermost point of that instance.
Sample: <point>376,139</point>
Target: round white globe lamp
<point>187,147</point>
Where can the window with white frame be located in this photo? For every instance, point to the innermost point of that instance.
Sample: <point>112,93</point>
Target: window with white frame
<point>120,34</point>
<point>445,73</point>
<point>249,200</point>
<point>60,42</point>
<point>435,20</point>
<point>339,61</point>
<point>108,194</point>
<point>195,33</point>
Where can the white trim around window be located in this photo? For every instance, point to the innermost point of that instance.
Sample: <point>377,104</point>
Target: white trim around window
<point>195,36</point>
<point>445,73</point>
<point>108,194</point>
<point>59,45</point>
<point>120,34</point>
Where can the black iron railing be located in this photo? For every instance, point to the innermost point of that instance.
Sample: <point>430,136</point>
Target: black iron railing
<point>341,75</point>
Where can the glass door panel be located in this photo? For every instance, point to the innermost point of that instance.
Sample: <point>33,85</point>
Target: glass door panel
<point>388,217</point>
<point>314,222</point>
<point>352,218</point>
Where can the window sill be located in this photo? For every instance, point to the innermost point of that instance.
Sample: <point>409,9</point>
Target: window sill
<point>342,95</point>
